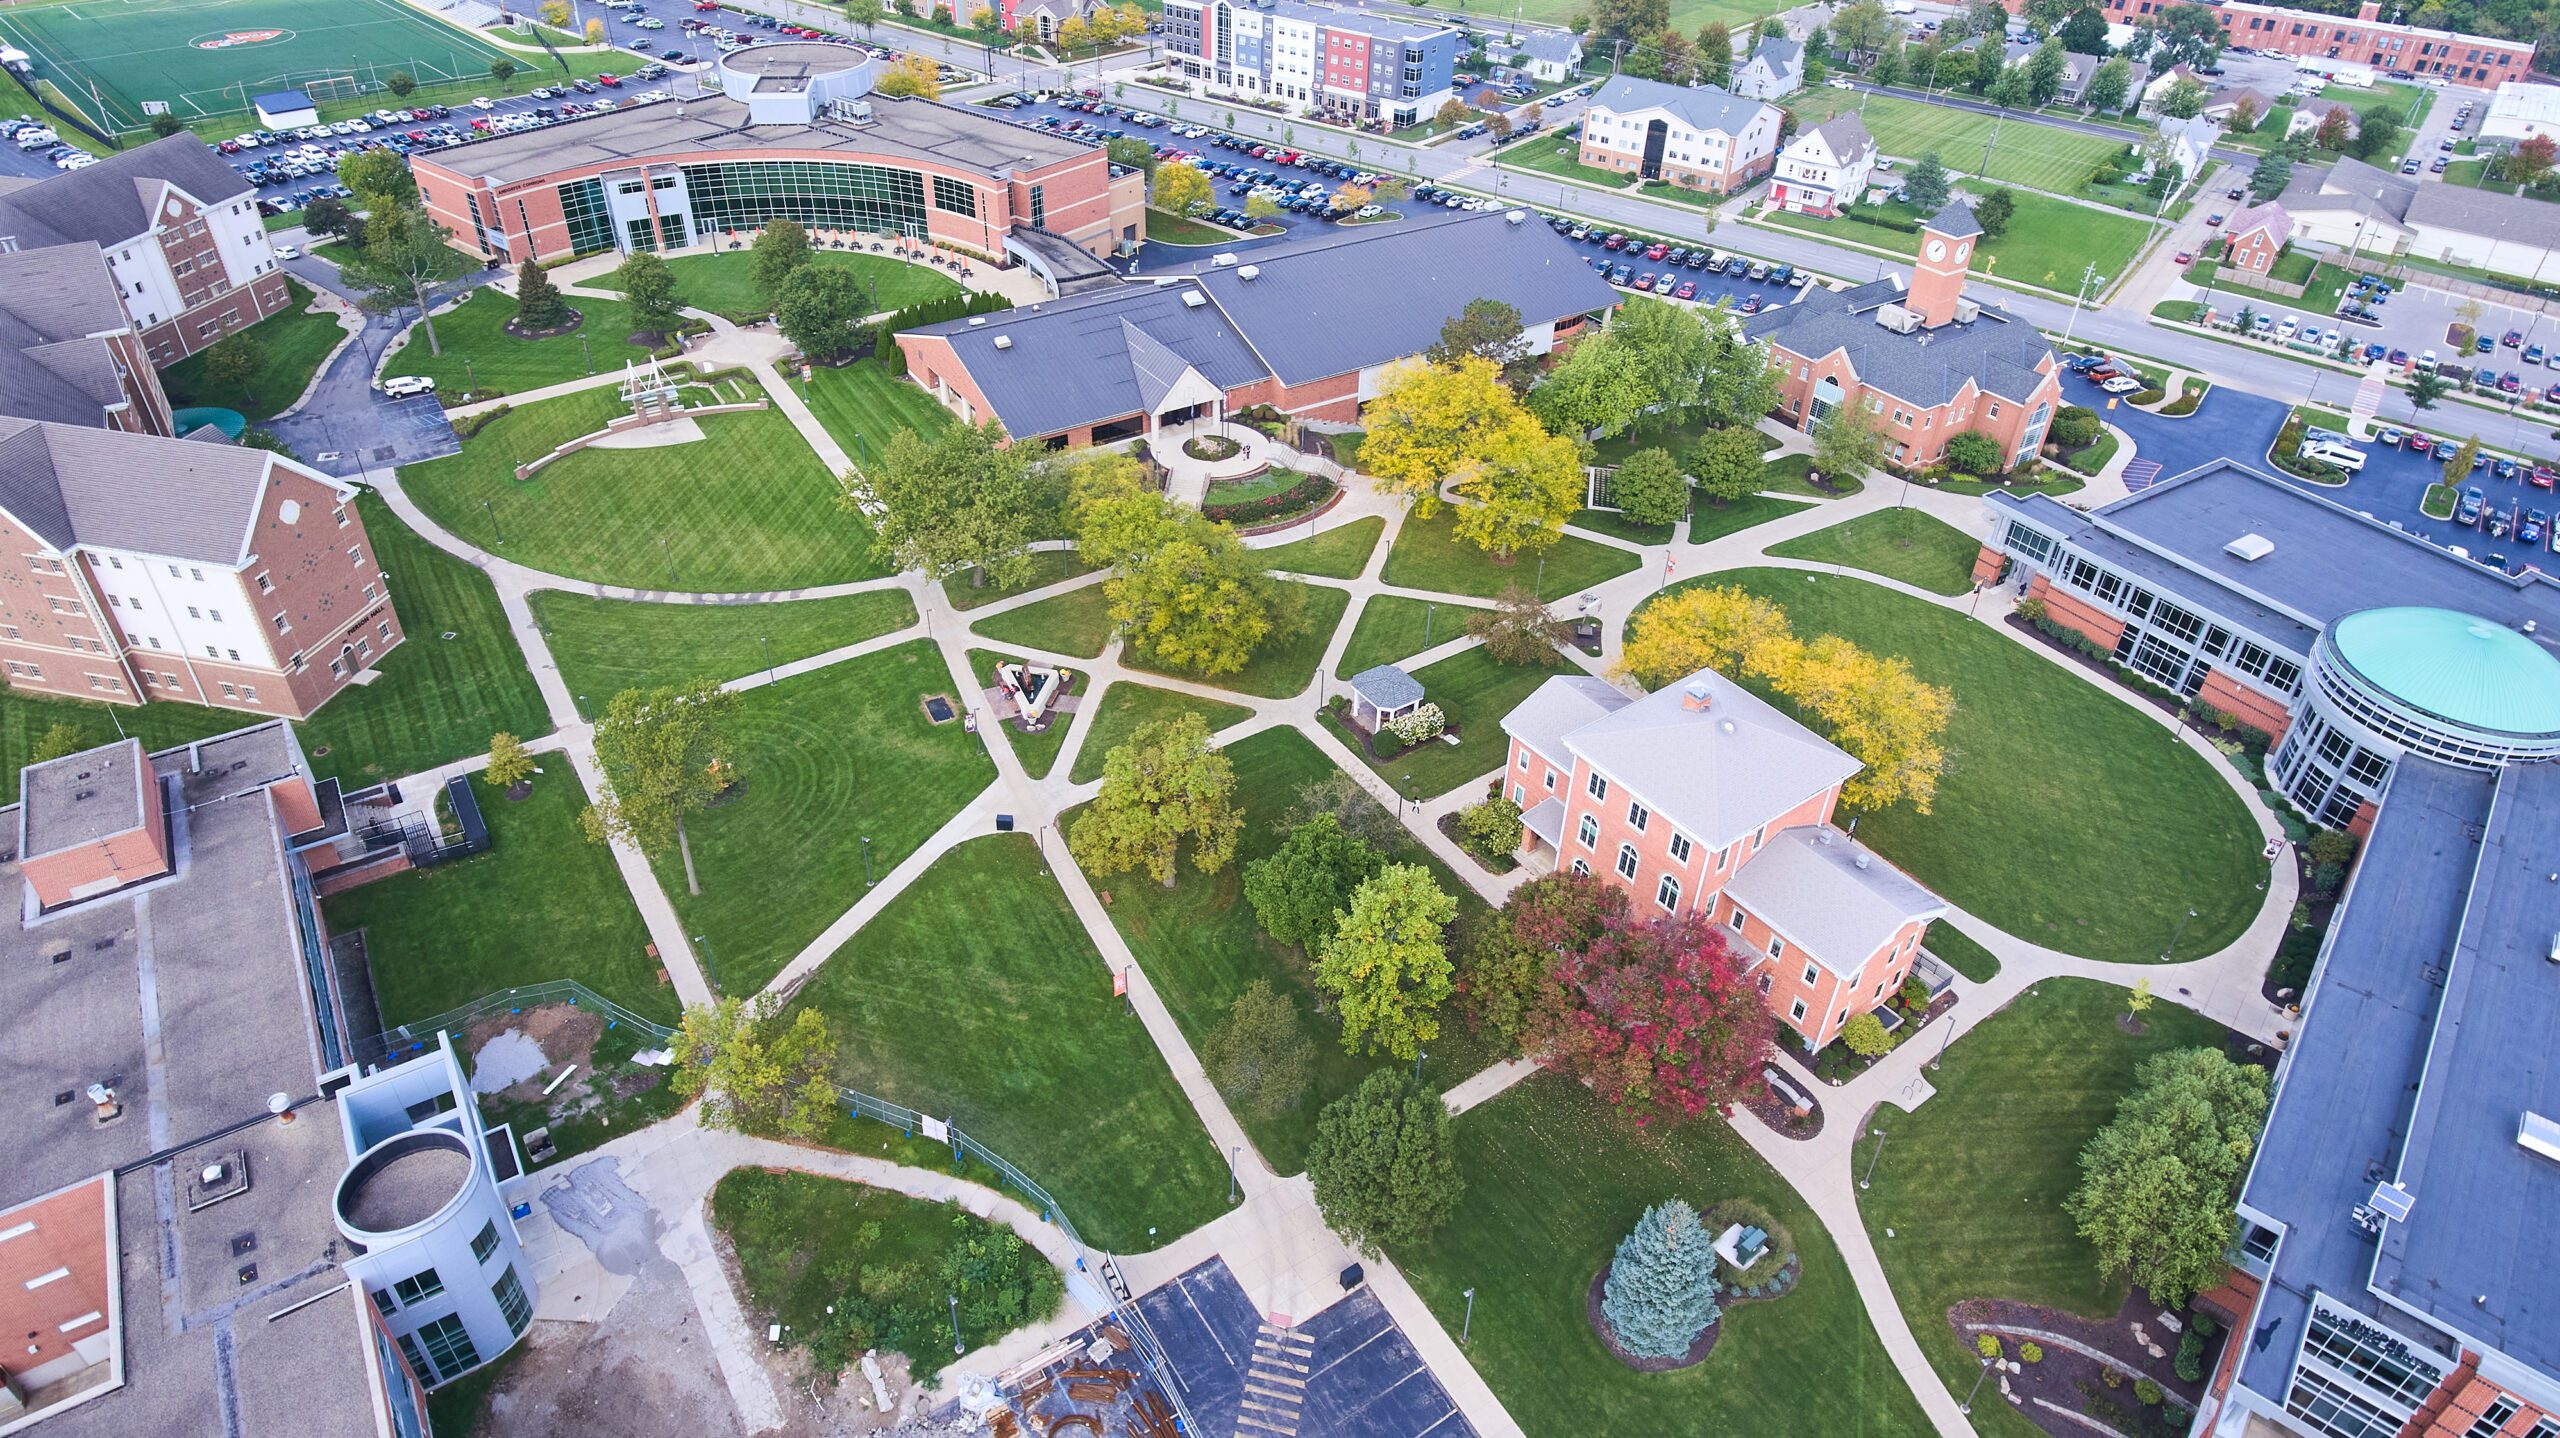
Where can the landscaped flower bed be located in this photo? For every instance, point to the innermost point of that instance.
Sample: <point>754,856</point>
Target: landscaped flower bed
<point>1212,447</point>
<point>1285,493</point>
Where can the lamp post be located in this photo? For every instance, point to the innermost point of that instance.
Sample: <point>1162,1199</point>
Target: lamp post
<point>866,861</point>
<point>1943,1045</point>
<point>2176,934</point>
<point>2089,277</point>
<point>1871,1158</point>
<point>1428,608</point>
<point>1967,1405</point>
<point>669,555</point>
<point>587,350</point>
<point>956,1346</point>
<point>1419,1055</point>
<point>493,521</point>
<point>767,642</point>
<point>582,708</point>
<point>710,966</point>
<point>1469,1321</point>
<point>1408,789</point>
<point>1233,1150</point>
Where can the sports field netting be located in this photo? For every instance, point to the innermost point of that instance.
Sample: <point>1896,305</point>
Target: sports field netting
<point>210,57</point>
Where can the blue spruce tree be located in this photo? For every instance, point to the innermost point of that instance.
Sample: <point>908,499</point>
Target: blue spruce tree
<point>1661,1291</point>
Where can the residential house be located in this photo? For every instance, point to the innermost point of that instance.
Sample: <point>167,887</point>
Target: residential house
<point>2161,84</point>
<point>1774,69</point>
<point>2188,144</point>
<point>2311,115</point>
<point>2351,206</point>
<point>2255,237</point>
<point>2237,107</point>
<point>1693,136</point>
<point>1825,169</point>
<point>1702,799</point>
<point>1355,65</point>
<point>2076,68</point>
<point>1042,18</point>
<point>1551,57</point>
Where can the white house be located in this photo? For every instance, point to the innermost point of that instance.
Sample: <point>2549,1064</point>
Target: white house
<point>2189,143</point>
<point>2167,80</point>
<point>2311,115</point>
<point>1693,136</point>
<point>1776,68</point>
<point>1551,57</point>
<point>1826,169</point>
<point>2520,111</point>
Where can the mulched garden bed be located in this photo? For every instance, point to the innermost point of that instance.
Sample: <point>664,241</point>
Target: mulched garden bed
<point>2076,1382</point>
<point>1274,526</point>
<point>1698,1350</point>
<point>1781,1116</point>
<point>1499,864</point>
<point>1212,447</point>
<point>1835,1064</point>
<point>1370,743</point>
<point>568,325</point>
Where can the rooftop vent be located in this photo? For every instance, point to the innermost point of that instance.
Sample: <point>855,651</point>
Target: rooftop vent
<point>1223,261</point>
<point>1515,216</point>
<point>1249,272</point>
<point>1193,299</point>
<point>2250,547</point>
<point>1897,319</point>
<point>2536,1134</point>
<point>1004,342</point>
<point>976,320</point>
<point>1967,311</point>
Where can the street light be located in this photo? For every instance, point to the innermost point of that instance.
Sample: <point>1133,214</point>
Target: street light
<point>1428,608</point>
<point>1943,1045</point>
<point>866,861</point>
<point>1871,1158</point>
<point>585,349</point>
<point>2179,933</point>
<point>669,556</point>
<point>1967,1405</point>
<point>1232,1151</point>
<point>1418,1056</point>
<point>493,521</point>
<point>1469,1321</point>
<point>956,1346</point>
<point>2089,277</point>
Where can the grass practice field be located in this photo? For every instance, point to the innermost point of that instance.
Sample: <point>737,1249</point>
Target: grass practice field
<point>209,57</point>
<point>2041,157</point>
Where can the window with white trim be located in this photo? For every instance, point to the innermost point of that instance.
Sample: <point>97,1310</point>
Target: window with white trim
<point>1626,861</point>
<point>1796,1011</point>
<point>1679,847</point>
<point>1637,816</point>
<point>1589,833</point>
<point>1597,787</point>
<point>1667,893</point>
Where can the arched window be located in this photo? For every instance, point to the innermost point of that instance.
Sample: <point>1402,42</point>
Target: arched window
<point>1626,861</point>
<point>1667,893</point>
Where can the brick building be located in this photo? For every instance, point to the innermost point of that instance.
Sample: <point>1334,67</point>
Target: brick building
<point>1356,65</point>
<point>1927,359</point>
<point>2400,50</point>
<point>2256,237</point>
<point>1692,136</point>
<point>149,568</point>
<point>180,232</point>
<point>68,352</point>
<point>1702,799</point>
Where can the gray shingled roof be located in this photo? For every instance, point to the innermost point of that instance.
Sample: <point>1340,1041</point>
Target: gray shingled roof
<point>1782,54</point>
<point>2491,214</point>
<point>1999,354</point>
<point>1830,895</point>
<point>1717,773</point>
<point>109,202</point>
<point>2350,186</point>
<point>1845,134</point>
<point>1556,708</point>
<point>1387,687</point>
<point>1701,107</point>
<point>1068,361</point>
<point>131,491</point>
<point>1956,221</point>
<point>1552,45</point>
<point>51,301</point>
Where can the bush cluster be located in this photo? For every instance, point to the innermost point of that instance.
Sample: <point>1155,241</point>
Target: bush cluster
<point>1424,723</point>
<point>1310,491</point>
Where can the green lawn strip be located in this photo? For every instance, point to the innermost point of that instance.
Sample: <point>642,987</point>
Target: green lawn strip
<point>1038,752</point>
<point>2047,245</point>
<point>1338,553</point>
<point>1710,521</point>
<point>1673,430</point>
<point>863,404</point>
<point>1128,706</point>
<point>976,995</point>
<point>2043,763</point>
<point>1617,526</point>
<point>828,758</point>
<point>477,350</point>
<point>2017,1099</point>
<point>1554,1180</point>
<point>1428,554</point>
<point>1474,690</point>
<point>541,904</point>
<point>1076,622</point>
<point>748,507</point>
<point>796,1237</point>
<point>1277,671</point>
<point>1906,544</point>
<point>2042,157</point>
<point>604,646</point>
<point>1048,567</point>
<point>1393,628</point>
<point>2093,459</point>
<point>1173,229</point>
<point>1201,945</point>
<point>724,283</point>
<point>1793,474</point>
<point>291,345</point>
<point>1961,953</point>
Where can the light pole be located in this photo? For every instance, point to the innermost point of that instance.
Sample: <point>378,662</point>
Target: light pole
<point>669,555</point>
<point>1871,1158</point>
<point>1469,1321</point>
<point>2179,933</point>
<point>1418,1056</point>
<point>2089,278</point>
<point>493,521</point>
<point>956,1346</point>
<point>1943,1045</point>
<point>1967,1405</point>
<point>866,861</point>
<point>1233,1150</point>
<point>1428,608</point>
<point>768,659</point>
<point>710,966</point>
<point>585,349</point>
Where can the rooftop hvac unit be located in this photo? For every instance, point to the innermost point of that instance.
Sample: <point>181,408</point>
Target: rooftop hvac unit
<point>1224,261</point>
<point>2539,1135</point>
<point>1967,311</point>
<point>976,320</point>
<point>1897,319</point>
<point>1193,299</point>
<point>2250,547</point>
<point>1004,342</point>
<point>1515,216</point>
<point>1249,272</point>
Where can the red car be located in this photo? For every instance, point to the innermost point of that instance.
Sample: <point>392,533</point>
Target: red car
<point>1644,281</point>
<point>2420,444</point>
<point>610,82</point>
<point>706,4</point>
<point>1614,242</point>
<point>1688,290</point>
<point>2543,475</point>
<point>1657,251</point>
<point>2185,258</point>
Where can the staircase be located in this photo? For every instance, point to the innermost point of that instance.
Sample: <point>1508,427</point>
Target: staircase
<point>1275,1383</point>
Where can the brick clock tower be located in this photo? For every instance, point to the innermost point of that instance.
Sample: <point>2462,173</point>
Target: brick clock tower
<point>1946,253</point>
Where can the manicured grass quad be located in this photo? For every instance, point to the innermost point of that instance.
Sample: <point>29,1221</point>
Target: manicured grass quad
<point>1429,555</point>
<point>2049,243</point>
<point>1038,752</point>
<point>1167,228</point>
<point>1126,707</point>
<point>477,350</point>
<point>1341,552</point>
<point>1617,526</point>
<point>976,995</point>
<point>604,646</point>
<point>2065,816</point>
<point>724,283</point>
<point>292,343</point>
<point>746,507</point>
<point>1075,621</point>
<point>1278,670</point>
<point>438,699</point>
<point>828,758</point>
<point>863,404</point>
<point>1393,628</point>
<point>1554,1180</point>
<point>2041,157</point>
<point>1474,691</point>
<point>2016,1101</point>
<point>1710,521</point>
<point>541,904</point>
<point>1906,544</point>
<point>1199,943</point>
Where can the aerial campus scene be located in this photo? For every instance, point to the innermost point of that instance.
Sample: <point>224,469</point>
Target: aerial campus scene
<point>1280,718</point>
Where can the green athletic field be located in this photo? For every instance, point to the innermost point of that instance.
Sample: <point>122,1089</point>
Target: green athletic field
<point>209,57</point>
<point>2040,157</point>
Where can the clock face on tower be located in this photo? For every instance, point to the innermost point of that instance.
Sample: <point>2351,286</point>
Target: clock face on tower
<point>1937,249</point>
<point>1964,249</point>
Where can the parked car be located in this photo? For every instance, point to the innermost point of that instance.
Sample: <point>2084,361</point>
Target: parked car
<point>2532,528</point>
<point>2121,384</point>
<point>2473,502</point>
<point>406,385</point>
<point>2334,454</point>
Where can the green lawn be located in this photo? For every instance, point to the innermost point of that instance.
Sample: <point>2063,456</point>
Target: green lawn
<point>1709,521</point>
<point>1127,707</point>
<point>1169,228</point>
<point>1554,154</point>
<point>1038,752</point>
<point>1049,567</point>
<point>2017,1099</point>
<point>863,404</point>
<point>1338,553</point>
<point>1475,691</point>
<point>1554,1180</point>
<point>1961,953</point>
<point>1076,622</point>
<point>541,904</point>
<point>604,646</point>
<point>1906,544</point>
<point>828,758</point>
<point>797,1236</point>
<point>1393,629</point>
<point>746,508</point>
<point>1617,526</point>
<point>479,352</point>
<point>1793,474</point>
<point>1428,554</point>
<point>2047,245</point>
<point>291,343</point>
<point>724,283</point>
<point>2054,792</point>
<point>2325,284</point>
<point>1277,671</point>
<point>1198,941</point>
<point>2041,157</point>
<point>977,996</point>
<point>1687,16</point>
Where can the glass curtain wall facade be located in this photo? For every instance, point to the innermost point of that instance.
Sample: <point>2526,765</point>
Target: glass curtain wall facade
<point>590,219</point>
<point>743,195</point>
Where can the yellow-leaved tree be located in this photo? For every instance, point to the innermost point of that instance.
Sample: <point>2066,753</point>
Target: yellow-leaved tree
<point>1523,484</point>
<point>914,74</point>
<point>1710,627</point>
<point>1430,421</point>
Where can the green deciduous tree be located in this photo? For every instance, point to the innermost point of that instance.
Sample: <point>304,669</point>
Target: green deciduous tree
<point>2046,70</point>
<point>234,362</point>
<point>2156,1183</point>
<point>665,754</point>
<point>503,70</point>
<point>1386,966</point>
<point>59,741</point>
<point>649,287</point>
<point>1713,59</point>
<point>1488,330</point>
<point>1926,188</point>
<point>2013,88</point>
<point>1727,463</point>
<point>1166,786</point>
<point>379,178</point>
<point>2427,388</point>
<point>2270,175</point>
<point>1626,20</point>
<point>2378,134</point>
<point>820,308</point>
<point>1200,601</point>
<point>959,498</point>
<point>1974,453</point>
<point>2110,85</point>
<point>1995,212</point>
<point>405,255</point>
<point>1519,630</point>
<point>1491,826</point>
<point>1661,1290</point>
<point>2458,468</point>
<point>757,1069</point>
<point>865,13</point>
<point>538,302</point>
<point>1649,488</point>
<point>2085,33</point>
<point>2184,99</point>
<point>1866,1037</point>
<point>509,764</point>
<point>1864,28</point>
<point>1350,805</point>
<point>1259,1056</point>
<point>1848,442</point>
<point>781,249</point>
<point>1382,1163</point>
<point>1299,890</point>
<point>400,83</point>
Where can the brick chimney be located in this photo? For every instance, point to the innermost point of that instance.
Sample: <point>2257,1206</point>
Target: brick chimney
<point>1938,275</point>
<point>2368,12</point>
<point>1697,698</point>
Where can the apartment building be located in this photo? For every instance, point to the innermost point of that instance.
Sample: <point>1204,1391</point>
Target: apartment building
<point>1825,169</point>
<point>68,351</point>
<point>1358,66</point>
<point>2401,50</point>
<point>1692,136</point>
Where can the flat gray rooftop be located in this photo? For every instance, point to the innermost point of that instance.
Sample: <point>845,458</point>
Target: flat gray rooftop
<point>82,797</point>
<point>902,127</point>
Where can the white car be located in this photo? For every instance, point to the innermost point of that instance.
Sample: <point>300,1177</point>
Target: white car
<point>404,386</point>
<point>288,252</point>
<point>653,23</point>
<point>2336,455</point>
<point>1840,82</point>
<point>484,103</point>
<point>2122,384</point>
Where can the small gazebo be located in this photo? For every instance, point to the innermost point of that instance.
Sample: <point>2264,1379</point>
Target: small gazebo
<point>1381,695</point>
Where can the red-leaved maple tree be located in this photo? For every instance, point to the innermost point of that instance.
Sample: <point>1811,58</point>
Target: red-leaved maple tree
<point>1660,1018</point>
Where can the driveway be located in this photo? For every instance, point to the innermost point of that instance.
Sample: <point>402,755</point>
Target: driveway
<point>343,426</point>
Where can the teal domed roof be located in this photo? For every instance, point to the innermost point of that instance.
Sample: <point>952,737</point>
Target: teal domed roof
<point>2456,666</point>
